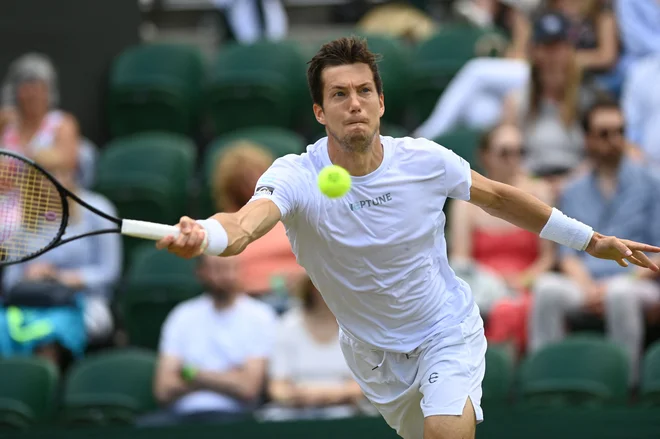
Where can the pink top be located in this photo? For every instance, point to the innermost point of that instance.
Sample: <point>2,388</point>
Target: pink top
<point>509,252</point>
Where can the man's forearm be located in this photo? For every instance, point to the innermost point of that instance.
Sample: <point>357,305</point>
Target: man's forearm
<point>232,382</point>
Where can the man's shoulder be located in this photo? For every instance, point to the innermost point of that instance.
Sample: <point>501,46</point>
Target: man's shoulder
<point>189,307</point>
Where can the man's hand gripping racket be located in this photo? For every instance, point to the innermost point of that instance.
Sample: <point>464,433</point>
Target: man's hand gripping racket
<point>34,213</point>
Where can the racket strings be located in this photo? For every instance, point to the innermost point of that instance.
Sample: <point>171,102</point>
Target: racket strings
<point>31,210</point>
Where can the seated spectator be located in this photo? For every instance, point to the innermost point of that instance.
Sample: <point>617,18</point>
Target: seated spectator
<point>31,122</point>
<point>549,108</point>
<point>86,268</point>
<point>618,197</point>
<point>265,265</point>
<point>498,260</point>
<point>214,351</point>
<point>308,375</point>
<point>596,39</point>
<point>399,20</point>
<point>31,92</point>
<point>641,107</point>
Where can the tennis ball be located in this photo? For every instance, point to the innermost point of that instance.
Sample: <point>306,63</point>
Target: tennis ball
<point>334,181</point>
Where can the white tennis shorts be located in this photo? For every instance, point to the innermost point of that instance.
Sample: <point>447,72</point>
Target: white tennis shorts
<point>434,379</point>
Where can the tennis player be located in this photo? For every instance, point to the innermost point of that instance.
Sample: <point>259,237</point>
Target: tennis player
<point>409,328</point>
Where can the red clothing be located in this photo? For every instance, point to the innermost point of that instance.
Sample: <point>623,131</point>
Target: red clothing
<point>510,252</point>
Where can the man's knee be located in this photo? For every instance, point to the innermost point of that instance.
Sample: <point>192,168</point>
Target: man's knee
<point>621,295</point>
<point>549,291</point>
<point>463,426</point>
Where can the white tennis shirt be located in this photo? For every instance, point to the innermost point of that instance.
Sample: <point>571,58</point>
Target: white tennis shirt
<point>377,255</point>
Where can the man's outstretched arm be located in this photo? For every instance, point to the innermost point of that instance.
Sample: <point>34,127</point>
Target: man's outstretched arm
<point>529,213</point>
<point>226,234</point>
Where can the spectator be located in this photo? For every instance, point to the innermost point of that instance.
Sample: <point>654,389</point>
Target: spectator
<point>309,377</point>
<point>619,197</point>
<point>595,36</point>
<point>638,24</point>
<point>641,106</point>
<point>399,20</point>
<point>87,268</point>
<point>508,16</point>
<point>498,260</point>
<point>549,108</point>
<point>268,262</point>
<point>31,93</point>
<point>31,122</point>
<point>213,352</point>
<point>249,21</point>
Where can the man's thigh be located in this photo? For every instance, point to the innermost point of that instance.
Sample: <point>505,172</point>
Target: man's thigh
<point>452,427</point>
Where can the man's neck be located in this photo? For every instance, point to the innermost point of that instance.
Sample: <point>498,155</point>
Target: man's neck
<point>223,303</point>
<point>608,178</point>
<point>357,164</point>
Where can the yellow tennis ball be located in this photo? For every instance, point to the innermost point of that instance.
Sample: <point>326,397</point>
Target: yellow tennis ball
<point>334,181</point>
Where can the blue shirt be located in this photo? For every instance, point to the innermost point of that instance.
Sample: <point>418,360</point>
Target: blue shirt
<point>639,25</point>
<point>633,212</point>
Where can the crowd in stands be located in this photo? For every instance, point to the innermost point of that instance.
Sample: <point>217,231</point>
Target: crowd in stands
<point>569,113</point>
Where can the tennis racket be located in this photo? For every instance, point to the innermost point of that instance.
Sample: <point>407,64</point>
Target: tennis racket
<point>34,212</point>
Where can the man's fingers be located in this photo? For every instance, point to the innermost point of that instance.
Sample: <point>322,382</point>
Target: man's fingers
<point>622,248</point>
<point>643,247</point>
<point>644,261</point>
<point>165,242</point>
<point>622,262</point>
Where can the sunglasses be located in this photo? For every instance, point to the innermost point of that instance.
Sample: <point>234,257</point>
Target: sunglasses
<point>606,133</point>
<point>506,151</point>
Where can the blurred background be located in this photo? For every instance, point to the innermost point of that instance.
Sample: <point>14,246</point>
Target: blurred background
<point>155,109</point>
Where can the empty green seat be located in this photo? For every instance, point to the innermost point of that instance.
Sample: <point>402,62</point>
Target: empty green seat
<point>439,58</point>
<point>584,371</point>
<point>465,143</point>
<point>256,84</point>
<point>155,87</point>
<point>155,283</point>
<point>109,387</point>
<point>27,391</point>
<point>498,380</point>
<point>147,175</point>
<point>650,381</point>
<point>393,65</point>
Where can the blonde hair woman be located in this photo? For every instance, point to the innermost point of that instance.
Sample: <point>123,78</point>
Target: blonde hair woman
<point>266,265</point>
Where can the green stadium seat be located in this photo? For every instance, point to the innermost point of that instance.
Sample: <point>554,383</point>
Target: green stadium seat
<point>582,371</point>
<point>256,85</point>
<point>109,387</point>
<point>650,380</point>
<point>394,68</point>
<point>27,391</point>
<point>498,380</point>
<point>155,283</point>
<point>155,87</point>
<point>147,176</point>
<point>465,143</point>
<point>279,141</point>
<point>439,58</point>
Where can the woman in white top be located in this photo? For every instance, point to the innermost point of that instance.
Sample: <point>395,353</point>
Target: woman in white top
<point>308,375</point>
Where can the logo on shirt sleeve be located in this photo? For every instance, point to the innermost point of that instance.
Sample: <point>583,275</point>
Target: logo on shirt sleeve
<point>264,190</point>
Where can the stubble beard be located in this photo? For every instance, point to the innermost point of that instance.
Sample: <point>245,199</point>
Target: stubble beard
<point>358,143</point>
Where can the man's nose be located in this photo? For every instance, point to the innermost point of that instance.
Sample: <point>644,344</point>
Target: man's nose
<point>355,105</point>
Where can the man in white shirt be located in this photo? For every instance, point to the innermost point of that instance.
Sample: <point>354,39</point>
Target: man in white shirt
<point>213,351</point>
<point>409,329</point>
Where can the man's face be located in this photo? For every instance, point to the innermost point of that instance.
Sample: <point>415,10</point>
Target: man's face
<point>352,107</point>
<point>605,140</point>
<point>218,275</point>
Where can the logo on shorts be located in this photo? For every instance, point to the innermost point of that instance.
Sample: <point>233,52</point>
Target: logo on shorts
<point>264,190</point>
<point>433,377</point>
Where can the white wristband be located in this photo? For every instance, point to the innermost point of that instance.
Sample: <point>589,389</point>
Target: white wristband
<point>216,235</point>
<point>567,231</point>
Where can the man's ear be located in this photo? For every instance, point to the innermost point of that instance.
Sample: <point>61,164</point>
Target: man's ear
<point>381,99</point>
<point>319,114</point>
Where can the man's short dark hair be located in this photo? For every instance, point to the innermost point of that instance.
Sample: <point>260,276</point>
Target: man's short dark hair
<point>602,103</point>
<point>343,51</point>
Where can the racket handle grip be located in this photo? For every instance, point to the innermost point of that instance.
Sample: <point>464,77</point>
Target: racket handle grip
<point>147,230</point>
